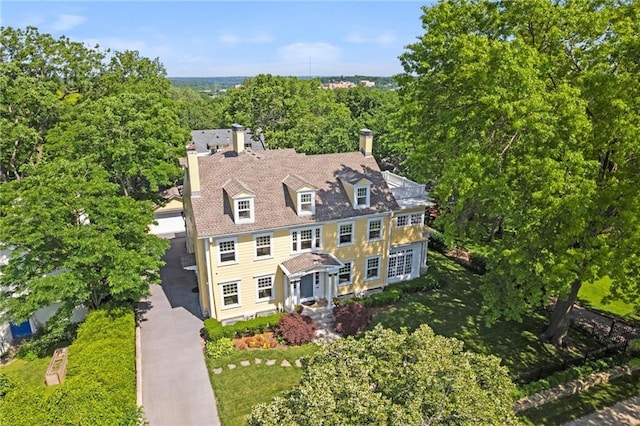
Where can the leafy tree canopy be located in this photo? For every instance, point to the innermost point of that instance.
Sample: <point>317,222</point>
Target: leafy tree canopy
<point>528,114</point>
<point>75,239</point>
<point>389,378</point>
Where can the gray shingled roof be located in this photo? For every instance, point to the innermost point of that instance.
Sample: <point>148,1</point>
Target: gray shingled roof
<point>264,172</point>
<point>306,261</point>
<point>234,186</point>
<point>205,139</point>
<point>295,182</point>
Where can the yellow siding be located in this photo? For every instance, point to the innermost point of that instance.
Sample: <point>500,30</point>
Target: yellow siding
<point>406,234</point>
<point>202,275</point>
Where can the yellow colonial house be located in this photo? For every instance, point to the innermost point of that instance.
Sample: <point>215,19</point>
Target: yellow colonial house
<point>268,230</point>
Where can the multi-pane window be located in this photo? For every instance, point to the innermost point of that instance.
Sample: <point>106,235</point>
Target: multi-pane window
<point>373,267</point>
<point>305,239</point>
<point>375,229</point>
<point>265,288</point>
<point>316,278</point>
<point>263,246</point>
<point>230,294</point>
<point>306,202</point>
<point>227,249</point>
<point>402,220</point>
<point>244,209</point>
<point>362,196</point>
<point>417,219</point>
<point>345,233</point>
<point>400,264</point>
<point>344,274</point>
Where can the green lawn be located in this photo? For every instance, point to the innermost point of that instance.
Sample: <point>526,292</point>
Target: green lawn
<point>29,372</point>
<point>454,311</point>
<point>589,401</point>
<point>592,295</point>
<point>238,390</point>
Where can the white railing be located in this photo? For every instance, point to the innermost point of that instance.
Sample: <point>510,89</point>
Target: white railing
<point>403,187</point>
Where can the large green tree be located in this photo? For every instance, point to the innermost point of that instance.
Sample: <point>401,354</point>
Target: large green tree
<point>389,378</point>
<point>292,113</point>
<point>528,114</point>
<point>75,240</point>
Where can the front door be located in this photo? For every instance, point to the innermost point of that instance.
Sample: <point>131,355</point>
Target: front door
<point>306,287</point>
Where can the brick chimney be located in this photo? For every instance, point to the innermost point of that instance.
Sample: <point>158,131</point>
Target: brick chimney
<point>237,138</point>
<point>366,142</point>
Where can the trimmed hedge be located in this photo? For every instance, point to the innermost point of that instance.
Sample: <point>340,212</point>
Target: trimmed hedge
<point>438,243</point>
<point>393,293</point>
<point>215,330</point>
<point>100,387</point>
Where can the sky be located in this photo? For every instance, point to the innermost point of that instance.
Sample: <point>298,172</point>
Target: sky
<point>241,38</point>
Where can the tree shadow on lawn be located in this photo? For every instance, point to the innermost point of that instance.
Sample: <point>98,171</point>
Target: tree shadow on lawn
<point>454,311</point>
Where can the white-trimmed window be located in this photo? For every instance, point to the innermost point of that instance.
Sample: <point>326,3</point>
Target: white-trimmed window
<point>265,288</point>
<point>305,239</point>
<point>361,197</point>
<point>400,264</point>
<point>402,220</point>
<point>263,246</point>
<point>373,268</point>
<point>244,210</point>
<point>417,218</point>
<point>306,203</point>
<point>345,234</point>
<point>230,294</point>
<point>227,251</point>
<point>375,229</point>
<point>345,276</point>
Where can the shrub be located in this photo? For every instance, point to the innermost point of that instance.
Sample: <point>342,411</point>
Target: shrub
<point>438,243</point>
<point>252,326</point>
<point>478,263</point>
<point>296,329</point>
<point>352,318</point>
<point>213,329</point>
<point>219,348</point>
<point>634,347</point>
<point>387,297</point>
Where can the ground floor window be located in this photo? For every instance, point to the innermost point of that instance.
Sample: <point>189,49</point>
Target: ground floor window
<point>373,267</point>
<point>265,288</point>
<point>400,263</point>
<point>344,275</point>
<point>230,295</point>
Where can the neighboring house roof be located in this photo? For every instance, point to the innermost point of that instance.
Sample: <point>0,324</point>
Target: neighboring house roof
<point>204,140</point>
<point>265,172</point>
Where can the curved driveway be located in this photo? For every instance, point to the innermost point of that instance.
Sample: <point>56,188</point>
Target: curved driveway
<point>175,384</point>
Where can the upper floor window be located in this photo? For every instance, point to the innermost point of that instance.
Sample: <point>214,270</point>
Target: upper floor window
<point>361,197</point>
<point>227,251</point>
<point>402,220</point>
<point>375,229</point>
<point>305,239</point>
<point>244,210</point>
<point>417,218</point>
<point>263,246</point>
<point>306,203</point>
<point>345,234</point>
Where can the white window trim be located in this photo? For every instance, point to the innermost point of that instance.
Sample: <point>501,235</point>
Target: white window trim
<point>235,251</point>
<point>235,305</point>
<point>416,214</point>
<point>351,273</point>
<point>273,289</point>
<point>353,233</point>
<point>378,219</point>
<point>255,246</point>
<point>313,203</point>
<point>366,268</point>
<point>299,239</point>
<point>355,196</point>
<point>236,210</point>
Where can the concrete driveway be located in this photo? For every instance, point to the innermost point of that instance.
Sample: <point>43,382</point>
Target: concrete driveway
<point>175,383</point>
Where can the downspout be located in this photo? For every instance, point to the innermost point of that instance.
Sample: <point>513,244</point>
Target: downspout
<point>391,215</point>
<point>212,306</point>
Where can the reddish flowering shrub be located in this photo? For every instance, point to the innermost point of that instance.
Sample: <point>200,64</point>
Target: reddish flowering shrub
<point>351,319</point>
<point>296,329</point>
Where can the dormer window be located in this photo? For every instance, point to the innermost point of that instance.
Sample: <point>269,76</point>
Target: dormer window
<point>306,203</point>
<point>362,197</point>
<point>244,212</point>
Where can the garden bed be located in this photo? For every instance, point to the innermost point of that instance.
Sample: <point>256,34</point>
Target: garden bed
<point>266,340</point>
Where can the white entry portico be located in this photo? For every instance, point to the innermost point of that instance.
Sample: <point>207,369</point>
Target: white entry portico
<point>310,276</point>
